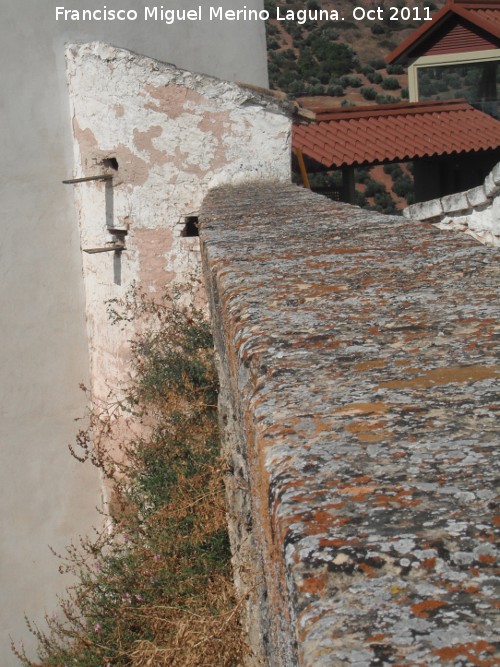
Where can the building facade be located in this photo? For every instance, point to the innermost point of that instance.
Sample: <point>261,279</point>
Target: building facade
<point>457,55</point>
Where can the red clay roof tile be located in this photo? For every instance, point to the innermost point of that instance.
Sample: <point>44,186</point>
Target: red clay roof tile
<point>483,14</point>
<point>365,135</point>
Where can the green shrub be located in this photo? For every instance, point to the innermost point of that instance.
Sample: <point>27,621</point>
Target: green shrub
<point>390,83</point>
<point>362,174</point>
<point>366,69</point>
<point>403,186</point>
<point>158,589</point>
<point>335,91</point>
<point>373,188</point>
<point>350,81</point>
<point>384,203</point>
<point>368,93</point>
<point>374,77</point>
<point>387,99</point>
<point>395,69</point>
<point>377,63</point>
<point>394,170</point>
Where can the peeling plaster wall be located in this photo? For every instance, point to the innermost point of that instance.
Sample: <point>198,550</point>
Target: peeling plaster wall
<point>174,135</point>
<point>48,498</point>
<point>475,212</point>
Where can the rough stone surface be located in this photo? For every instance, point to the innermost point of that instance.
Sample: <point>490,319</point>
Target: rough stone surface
<point>491,187</point>
<point>359,365</point>
<point>477,196</point>
<point>425,210</point>
<point>455,202</point>
<point>474,212</point>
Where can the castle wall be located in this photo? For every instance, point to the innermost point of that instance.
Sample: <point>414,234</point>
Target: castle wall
<point>475,212</point>
<point>358,359</point>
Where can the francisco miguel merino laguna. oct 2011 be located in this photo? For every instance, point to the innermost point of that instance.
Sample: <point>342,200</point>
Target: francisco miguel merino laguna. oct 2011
<point>212,13</point>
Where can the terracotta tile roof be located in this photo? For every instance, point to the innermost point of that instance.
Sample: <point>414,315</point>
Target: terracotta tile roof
<point>483,14</point>
<point>362,135</point>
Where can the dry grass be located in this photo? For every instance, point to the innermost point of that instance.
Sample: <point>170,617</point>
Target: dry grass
<point>158,590</point>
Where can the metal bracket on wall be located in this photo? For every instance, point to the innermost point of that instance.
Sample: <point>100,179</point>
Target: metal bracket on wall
<point>117,245</point>
<point>84,179</point>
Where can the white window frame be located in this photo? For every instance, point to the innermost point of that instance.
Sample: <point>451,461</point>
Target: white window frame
<point>445,59</point>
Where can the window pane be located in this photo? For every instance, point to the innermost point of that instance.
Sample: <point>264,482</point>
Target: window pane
<point>477,82</point>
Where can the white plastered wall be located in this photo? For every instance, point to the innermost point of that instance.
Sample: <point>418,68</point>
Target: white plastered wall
<point>174,135</point>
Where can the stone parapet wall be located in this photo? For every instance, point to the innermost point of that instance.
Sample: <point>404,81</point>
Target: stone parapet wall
<point>475,212</point>
<point>358,357</point>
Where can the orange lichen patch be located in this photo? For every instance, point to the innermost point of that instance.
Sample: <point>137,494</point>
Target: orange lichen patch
<point>487,559</point>
<point>496,520</point>
<point>402,498</point>
<point>378,407</point>
<point>340,521</point>
<point>423,609</point>
<point>444,375</point>
<point>314,585</point>
<point>362,479</point>
<point>321,290</point>
<point>471,650</point>
<point>370,365</point>
<point>368,570</point>
<point>358,493</point>
<point>369,431</point>
<point>429,564</point>
<point>471,589</point>
<point>359,426</point>
<point>322,426</point>
<point>379,436</point>
<point>332,542</point>
<point>374,639</point>
<point>322,519</point>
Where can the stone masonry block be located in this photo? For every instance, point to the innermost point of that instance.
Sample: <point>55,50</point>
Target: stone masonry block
<point>426,210</point>
<point>477,196</point>
<point>495,173</point>
<point>455,202</point>
<point>491,187</point>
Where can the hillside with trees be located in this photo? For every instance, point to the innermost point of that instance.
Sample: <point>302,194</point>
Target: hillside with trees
<point>345,61</point>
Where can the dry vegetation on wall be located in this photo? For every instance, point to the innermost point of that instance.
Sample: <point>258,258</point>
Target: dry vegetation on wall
<point>157,590</point>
